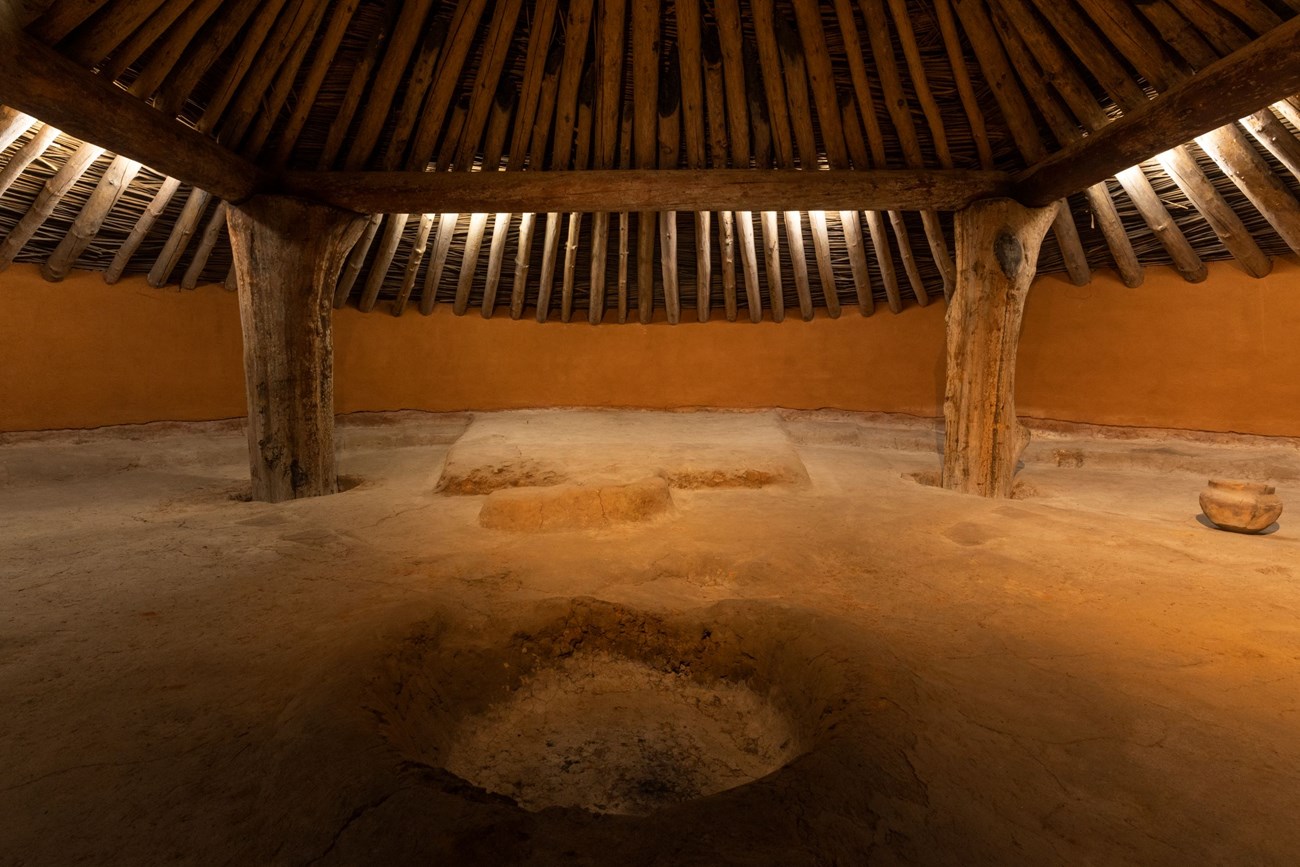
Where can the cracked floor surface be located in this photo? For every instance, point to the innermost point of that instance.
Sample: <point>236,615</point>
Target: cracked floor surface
<point>1088,675</point>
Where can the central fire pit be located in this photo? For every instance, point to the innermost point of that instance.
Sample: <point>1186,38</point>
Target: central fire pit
<point>614,735</point>
<point>580,731</point>
<point>598,707</point>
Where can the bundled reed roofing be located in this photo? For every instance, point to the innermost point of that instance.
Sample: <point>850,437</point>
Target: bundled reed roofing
<point>952,89</point>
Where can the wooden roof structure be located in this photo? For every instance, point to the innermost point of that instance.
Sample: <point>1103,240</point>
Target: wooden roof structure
<point>605,160</point>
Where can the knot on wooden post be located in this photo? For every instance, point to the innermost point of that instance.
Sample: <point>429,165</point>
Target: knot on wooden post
<point>1009,252</point>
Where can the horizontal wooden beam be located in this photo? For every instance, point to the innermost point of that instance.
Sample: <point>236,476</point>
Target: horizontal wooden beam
<point>644,190</point>
<point>37,80</point>
<point>1240,84</point>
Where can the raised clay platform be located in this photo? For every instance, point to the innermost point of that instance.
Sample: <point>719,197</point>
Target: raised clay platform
<point>688,450</point>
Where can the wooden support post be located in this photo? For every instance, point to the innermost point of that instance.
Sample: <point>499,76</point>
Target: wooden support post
<point>288,254</point>
<point>997,255</point>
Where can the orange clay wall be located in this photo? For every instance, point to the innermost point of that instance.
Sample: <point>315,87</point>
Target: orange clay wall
<point>1223,355</point>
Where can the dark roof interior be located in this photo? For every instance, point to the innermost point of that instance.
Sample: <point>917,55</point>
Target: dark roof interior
<point>487,85</point>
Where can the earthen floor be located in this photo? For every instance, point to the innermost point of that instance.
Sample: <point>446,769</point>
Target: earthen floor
<point>1086,675</point>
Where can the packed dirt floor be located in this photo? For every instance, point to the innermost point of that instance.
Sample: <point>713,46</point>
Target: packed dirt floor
<point>1086,674</point>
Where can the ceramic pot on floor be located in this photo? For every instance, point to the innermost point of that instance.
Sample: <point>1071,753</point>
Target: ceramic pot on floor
<point>1240,507</point>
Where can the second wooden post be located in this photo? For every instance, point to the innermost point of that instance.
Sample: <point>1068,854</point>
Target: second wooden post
<point>997,256</point>
<point>288,254</point>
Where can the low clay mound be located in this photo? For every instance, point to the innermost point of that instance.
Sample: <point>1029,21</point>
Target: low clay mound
<point>575,507</point>
<point>689,450</point>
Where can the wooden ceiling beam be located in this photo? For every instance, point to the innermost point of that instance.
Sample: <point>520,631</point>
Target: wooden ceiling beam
<point>1261,73</point>
<point>38,81</point>
<point>534,144</point>
<point>152,212</point>
<point>47,200</point>
<point>812,71</point>
<point>439,102</point>
<point>731,41</point>
<point>1001,79</point>
<point>178,86</point>
<point>1229,147</point>
<point>858,150</point>
<point>824,94</point>
<point>340,17</point>
<point>1031,45</point>
<point>174,44</point>
<point>891,83</point>
<point>347,108</point>
<point>507,100</point>
<point>411,41</point>
<point>485,96</point>
<point>609,81</point>
<point>864,149</point>
<point>821,81</point>
<point>1252,13</point>
<point>1064,228</point>
<point>264,78</point>
<point>769,58</point>
<point>416,86</point>
<point>402,46</point>
<point>494,144</point>
<point>541,26</point>
<point>228,85</point>
<point>14,125</point>
<point>577,30</point>
<point>691,62</point>
<point>116,178</point>
<point>1058,68</point>
<point>645,190</point>
<point>866,103</point>
<point>645,139</point>
<point>715,102</point>
<point>102,33</point>
<point>770,84</point>
<point>1149,56</point>
<point>1215,25</point>
<point>60,19</point>
<point>131,48</point>
<point>920,82</point>
<point>961,77</point>
<point>28,153</point>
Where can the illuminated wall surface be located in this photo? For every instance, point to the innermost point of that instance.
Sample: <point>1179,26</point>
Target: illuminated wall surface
<point>1222,355</point>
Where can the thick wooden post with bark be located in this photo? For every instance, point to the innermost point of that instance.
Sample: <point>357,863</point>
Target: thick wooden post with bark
<point>288,254</point>
<point>997,255</point>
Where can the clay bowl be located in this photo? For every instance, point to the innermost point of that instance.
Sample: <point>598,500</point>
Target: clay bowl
<point>1240,507</point>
